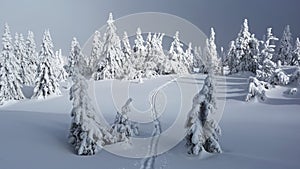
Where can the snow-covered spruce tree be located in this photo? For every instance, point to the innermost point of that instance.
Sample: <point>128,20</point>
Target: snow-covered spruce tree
<point>86,135</point>
<point>111,65</point>
<point>212,55</point>
<point>46,82</point>
<point>10,80</point>
<point>26,71</point>
<point>139,51</point>
<point>158,57</point>
<point>200,61</point>
<point>176,56</point>
<point>202,130</point>
<point>245,51</point>
<point>123,128</point>
<point>61,73</point>
<point>296,53</point>
<point>256,89</point>
<point>279,77</point>
<point>224,70</point>
<point>75,54</point>
<point>232,60</point>
<point>31,56</point>
<point>295,77</point>
<point>285,47</point>
<point>19,52</point>
<point>149,66</point>
<point>128,66</point>
<point>94,58</point>
<point>155,55</point>
<point>266,67</point>
<point>189,58</point>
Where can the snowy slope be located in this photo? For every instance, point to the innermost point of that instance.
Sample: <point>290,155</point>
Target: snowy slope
<point>255,135</point>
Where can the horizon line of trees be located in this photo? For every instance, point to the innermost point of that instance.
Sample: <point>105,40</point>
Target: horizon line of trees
<point>113,57</point>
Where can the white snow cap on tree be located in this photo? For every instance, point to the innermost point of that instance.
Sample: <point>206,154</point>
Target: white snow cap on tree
<point>123,128</point>
<point>86,135</point>
<point>202,130</point>
<point>285,47</point>
<point>10,80</point>
<point>111,65</point>
<point>46,82</point>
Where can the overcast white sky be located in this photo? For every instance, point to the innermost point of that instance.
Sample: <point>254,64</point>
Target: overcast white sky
<point>80,18</point>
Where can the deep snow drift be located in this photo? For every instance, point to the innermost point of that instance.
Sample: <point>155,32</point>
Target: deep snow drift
<point>254,135</point>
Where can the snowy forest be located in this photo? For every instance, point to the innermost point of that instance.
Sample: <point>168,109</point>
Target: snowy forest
<point>271,61</point>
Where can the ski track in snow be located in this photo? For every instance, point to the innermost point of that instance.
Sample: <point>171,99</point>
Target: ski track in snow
<point>148,162</point>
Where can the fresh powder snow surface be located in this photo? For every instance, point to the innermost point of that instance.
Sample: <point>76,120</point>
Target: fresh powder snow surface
<point>254,134</point>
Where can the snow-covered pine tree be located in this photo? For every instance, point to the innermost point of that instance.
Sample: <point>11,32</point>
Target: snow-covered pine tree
<point>128,66</point>
<point>296,53</point>
<point>123,128</point>
<point>279,77</point>
<point>18,52</point>
<point>214,63</point>
<point>31,56</point>
<point>111,65</point>
<point>256,89</point>
<point>200,61</point>
<point>26,72</point>
<point>127,47</point>
<point>10,80</point>
<point>46,82</point>
<point>266,67</point>
<point>158,57</point>
<point>139,51</point>
<point>86,135</point>
<point>224,68</point>
<point>94,58</point>
<point>246,50</point>
<point>285,47</point>
<point>75,54</point>
<point>295,77</point>
<point>149,66</point>
<point>189,58</point>
<point>231,60</point>
<point>155,56</point>
<point>202,130</point>
<point>176,56</point>
<point>61,73</point>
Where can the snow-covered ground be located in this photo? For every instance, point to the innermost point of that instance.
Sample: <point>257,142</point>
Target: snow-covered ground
<point>254,135</point>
